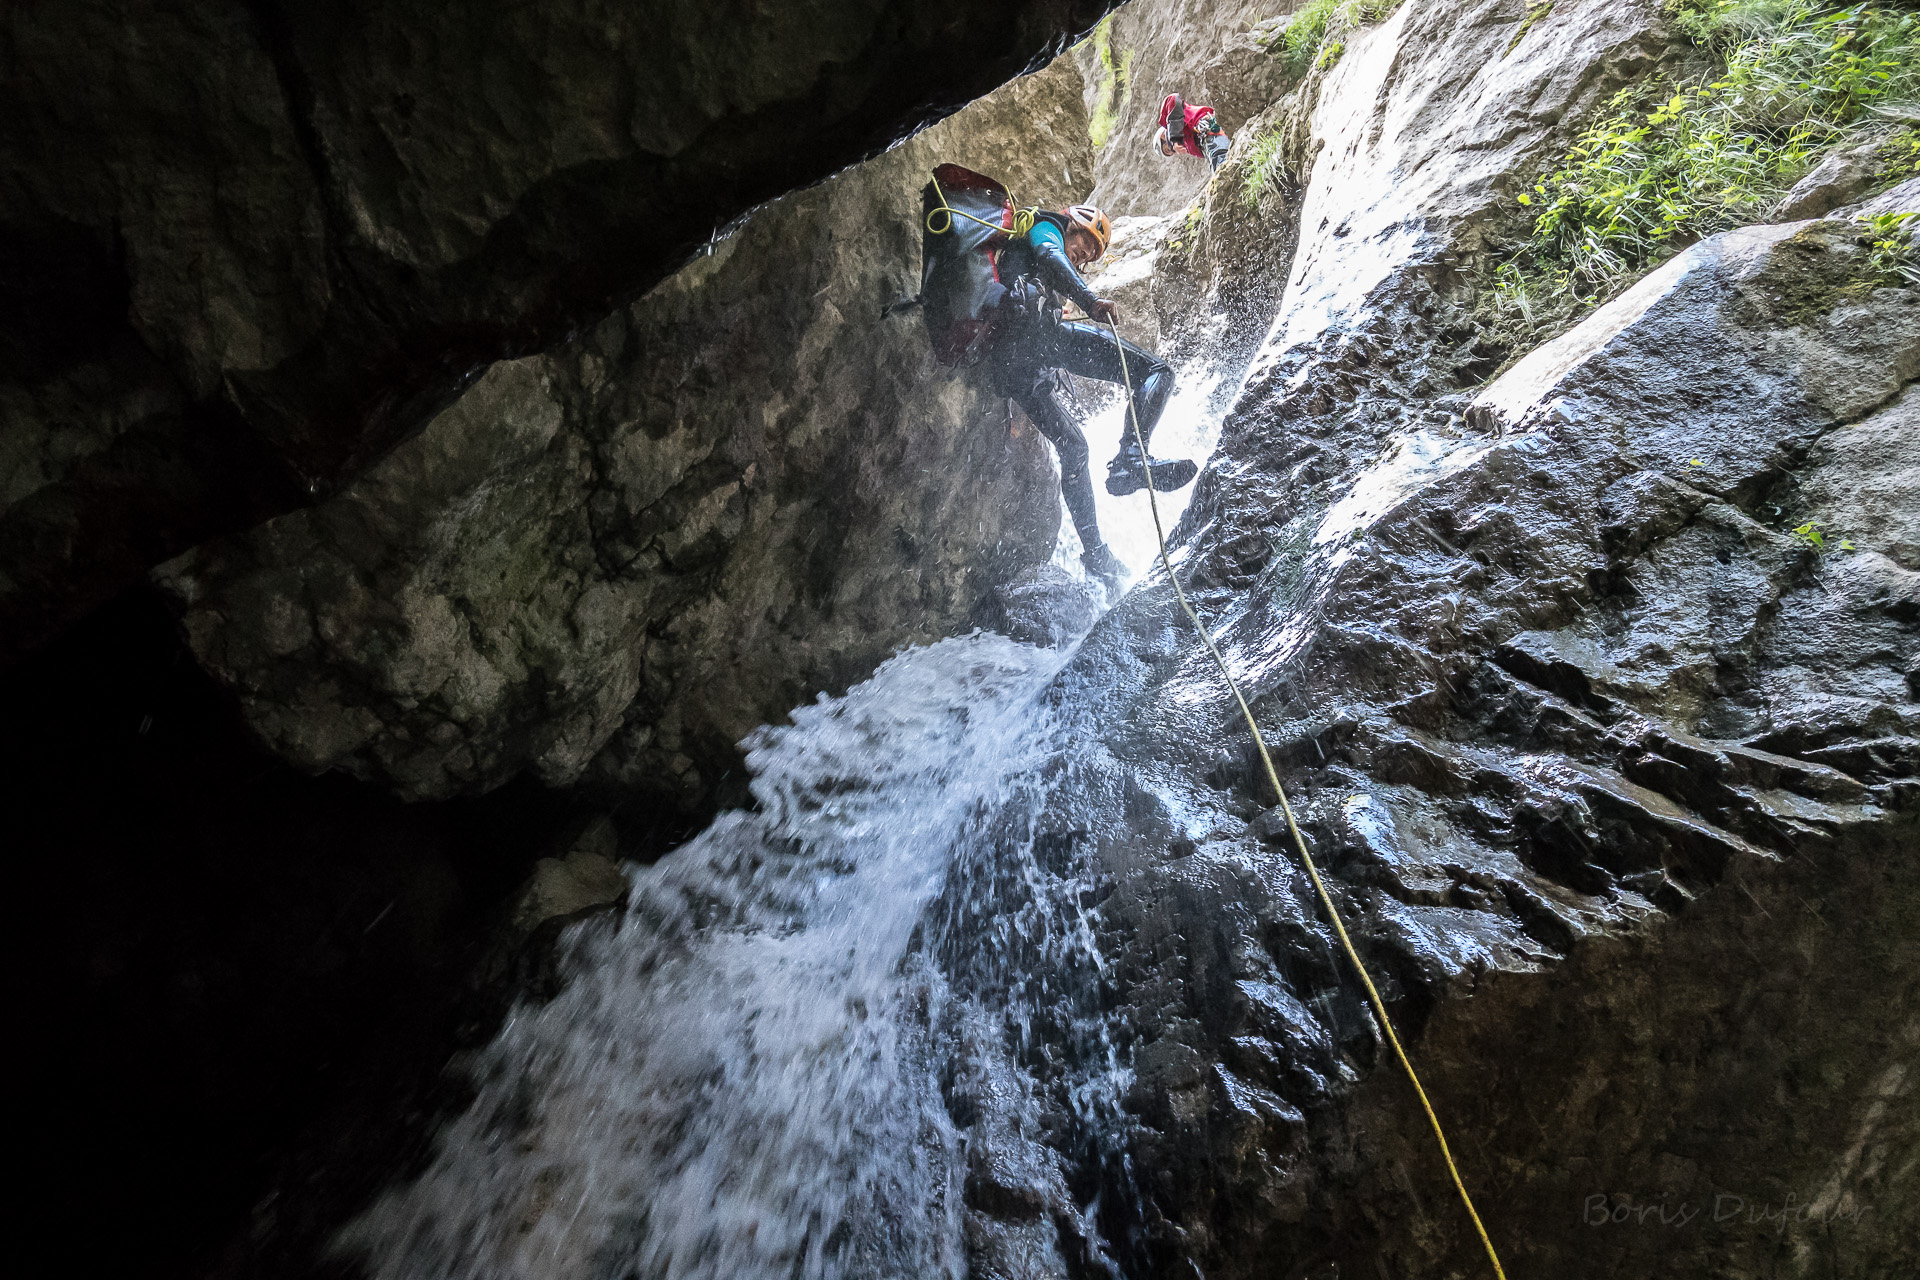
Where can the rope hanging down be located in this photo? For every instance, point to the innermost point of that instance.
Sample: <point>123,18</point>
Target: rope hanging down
<point>1299,843</point>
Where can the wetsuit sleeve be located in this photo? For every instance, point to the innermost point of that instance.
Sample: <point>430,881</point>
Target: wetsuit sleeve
<point>1055,269</point>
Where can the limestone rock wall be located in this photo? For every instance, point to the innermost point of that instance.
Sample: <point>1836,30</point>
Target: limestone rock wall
<point>746,487</point>
<point>1612,764</point>
<point>1208,52</point>
<point>1201,257</point>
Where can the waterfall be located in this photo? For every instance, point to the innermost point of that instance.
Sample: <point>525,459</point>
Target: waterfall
<point>739,1077</point>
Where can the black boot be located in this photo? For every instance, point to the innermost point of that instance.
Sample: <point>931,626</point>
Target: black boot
<point>1128,472</point>
<point>1104,565</point>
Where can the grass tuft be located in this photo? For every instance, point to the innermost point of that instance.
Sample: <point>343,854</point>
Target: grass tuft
<point>1310,40</point>
<point>1265,161</point>
<point>1116,84</point>
<point>1536,10</point>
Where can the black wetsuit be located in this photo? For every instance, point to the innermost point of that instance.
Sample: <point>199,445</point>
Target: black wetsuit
<point>1030,341</point>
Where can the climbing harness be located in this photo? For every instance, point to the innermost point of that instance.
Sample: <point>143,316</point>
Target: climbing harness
<point>1299,842</point>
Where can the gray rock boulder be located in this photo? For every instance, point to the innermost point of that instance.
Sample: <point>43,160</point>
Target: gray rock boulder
<point>1048,606</point>
<point>586,878</point>
<point>747,487</point>
<point>1841,178</point>
<point>1866,475</point>
<point>1789,315</point>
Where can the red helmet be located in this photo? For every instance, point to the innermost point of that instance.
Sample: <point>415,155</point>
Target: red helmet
<point>1092,221</point>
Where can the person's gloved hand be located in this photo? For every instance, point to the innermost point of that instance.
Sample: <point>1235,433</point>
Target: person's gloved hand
<point>1104,311</point>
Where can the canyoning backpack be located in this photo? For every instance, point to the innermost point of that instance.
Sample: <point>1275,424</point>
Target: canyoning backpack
<point>970,246</point>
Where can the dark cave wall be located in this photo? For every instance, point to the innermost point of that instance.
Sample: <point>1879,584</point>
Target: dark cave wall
<point>218,949</point>
<point>245,248</point>
<point>243,1009</point>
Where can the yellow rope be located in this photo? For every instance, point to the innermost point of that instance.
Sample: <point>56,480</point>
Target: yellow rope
<point>1273,779</point>
<point>1023,219</point>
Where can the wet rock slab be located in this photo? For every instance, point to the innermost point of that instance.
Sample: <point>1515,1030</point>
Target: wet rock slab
<point>1613,765</point>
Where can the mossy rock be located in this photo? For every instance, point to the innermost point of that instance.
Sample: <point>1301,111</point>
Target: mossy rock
<point>1811,273</point>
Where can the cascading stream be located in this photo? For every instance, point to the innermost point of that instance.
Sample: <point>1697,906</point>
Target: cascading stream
<point>736,1080</point>
<point>780,1059</point>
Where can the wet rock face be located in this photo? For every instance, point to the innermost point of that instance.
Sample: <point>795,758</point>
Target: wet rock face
<point>1611,763</point>
<point>615,560</point>
<point>249,247</point>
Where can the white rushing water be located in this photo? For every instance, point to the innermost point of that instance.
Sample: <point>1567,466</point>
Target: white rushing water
<point>1189,427</point>
<point>737,1080</point>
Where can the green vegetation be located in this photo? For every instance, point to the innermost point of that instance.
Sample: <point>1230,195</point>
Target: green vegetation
<point>1670,163</point>
<point>1309,41</point>
<point>1183,236</point>
<point>1814,535</point>
<point>1265,161</point>
<point>1900,156</point>
<point>1304,32</point>
<point>1306,42</point>
<point>1890,255</point>
<point>1116,83</point>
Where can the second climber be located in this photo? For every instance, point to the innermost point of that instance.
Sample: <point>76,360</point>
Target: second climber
<point>1194,128</point>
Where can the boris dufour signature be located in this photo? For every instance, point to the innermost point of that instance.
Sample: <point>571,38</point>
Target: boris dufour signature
<point>1724,1207</point>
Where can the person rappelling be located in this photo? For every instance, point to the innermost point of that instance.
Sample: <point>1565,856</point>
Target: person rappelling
<point>1193,128</point>
<point>992,282</point>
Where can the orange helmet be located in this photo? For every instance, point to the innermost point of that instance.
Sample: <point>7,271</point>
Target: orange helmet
<point>1091,221</point>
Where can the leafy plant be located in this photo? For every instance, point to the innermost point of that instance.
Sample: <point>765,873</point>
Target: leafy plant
<point>1890,253</point>
<point>1669,164</point>
<point>1811,534</point>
